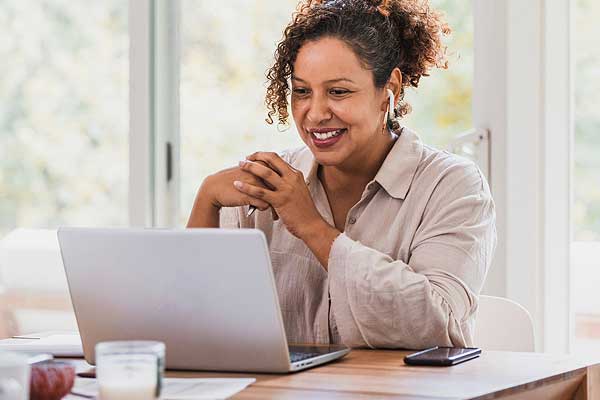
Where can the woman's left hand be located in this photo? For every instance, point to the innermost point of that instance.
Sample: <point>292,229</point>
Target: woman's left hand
<point>290,196</point>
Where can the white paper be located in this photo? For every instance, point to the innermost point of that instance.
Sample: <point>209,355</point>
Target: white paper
<point>64,345</point>
<point>178,388</point>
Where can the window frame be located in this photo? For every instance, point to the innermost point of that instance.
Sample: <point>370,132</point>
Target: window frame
<point>154,63</point>
<point>141,130</point>
<point>526,103</point>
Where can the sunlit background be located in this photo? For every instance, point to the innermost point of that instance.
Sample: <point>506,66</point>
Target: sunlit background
<point>222,92</point>
<point>64,123</point>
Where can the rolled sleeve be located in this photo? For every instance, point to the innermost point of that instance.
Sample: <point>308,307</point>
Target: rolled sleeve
<point>381,303</point>
<point>339,291</point>
<point>429,300</point>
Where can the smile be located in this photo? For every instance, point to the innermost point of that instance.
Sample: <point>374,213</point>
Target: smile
<point>327,135</point>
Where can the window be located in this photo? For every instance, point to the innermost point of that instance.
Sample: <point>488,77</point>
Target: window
<point>223,75</point>
<point>64,119</point>
<point>585,248</point>
<point>442,103</point>
<point>222,86</point>
<point>63,145</point>
<point>63,114</point>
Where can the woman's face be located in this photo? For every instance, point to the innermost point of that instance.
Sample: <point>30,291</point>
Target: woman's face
<point>336,107</point>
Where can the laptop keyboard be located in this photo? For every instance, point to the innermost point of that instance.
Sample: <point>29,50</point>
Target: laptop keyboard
<point>295,357</point>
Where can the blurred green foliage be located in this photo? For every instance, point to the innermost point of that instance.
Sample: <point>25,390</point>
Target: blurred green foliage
<point>63,113</point>
<point>442,103</point>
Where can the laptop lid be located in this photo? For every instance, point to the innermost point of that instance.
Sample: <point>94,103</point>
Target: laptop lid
<point>209,294</point>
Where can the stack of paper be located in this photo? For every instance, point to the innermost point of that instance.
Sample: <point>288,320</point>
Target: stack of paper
<point>175,388</point>
<point>60,345</point>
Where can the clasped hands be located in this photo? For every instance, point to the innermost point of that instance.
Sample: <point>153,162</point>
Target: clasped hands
<point>265,181</point>
<point>285,191</point>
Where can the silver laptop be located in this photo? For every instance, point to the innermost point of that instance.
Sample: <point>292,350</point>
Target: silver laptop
<point>208,294</point>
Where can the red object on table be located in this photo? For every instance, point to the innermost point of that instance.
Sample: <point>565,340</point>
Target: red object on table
<point>51,380</point>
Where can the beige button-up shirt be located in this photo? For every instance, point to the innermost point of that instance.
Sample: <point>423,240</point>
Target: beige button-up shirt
<point>409,266</point>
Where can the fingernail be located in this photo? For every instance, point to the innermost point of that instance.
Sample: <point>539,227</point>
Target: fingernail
<point>242,163</point>
<point>237,184</point>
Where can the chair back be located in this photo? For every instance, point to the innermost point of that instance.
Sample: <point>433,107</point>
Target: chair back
<point>503,324</point>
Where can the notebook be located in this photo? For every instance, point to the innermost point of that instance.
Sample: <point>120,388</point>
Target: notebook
<point>59,345</point>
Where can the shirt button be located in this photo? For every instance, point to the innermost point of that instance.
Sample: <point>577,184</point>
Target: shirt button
<point>352,221</point>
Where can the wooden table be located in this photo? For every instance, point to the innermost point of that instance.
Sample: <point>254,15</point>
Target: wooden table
<point>381,374</point>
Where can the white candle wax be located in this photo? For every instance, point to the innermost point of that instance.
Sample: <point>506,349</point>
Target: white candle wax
<point>127,377</point>
<point>137,390</point>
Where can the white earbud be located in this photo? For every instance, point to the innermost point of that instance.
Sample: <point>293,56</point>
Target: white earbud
<point>390,122</point>
<point>392,102</point>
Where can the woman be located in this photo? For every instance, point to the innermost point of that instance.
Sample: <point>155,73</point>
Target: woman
<point>376,239</point>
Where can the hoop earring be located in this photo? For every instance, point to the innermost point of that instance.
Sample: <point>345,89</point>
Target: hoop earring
<point>390,121</point>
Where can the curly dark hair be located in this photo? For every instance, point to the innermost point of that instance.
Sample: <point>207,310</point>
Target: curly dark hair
<point>384,34</point>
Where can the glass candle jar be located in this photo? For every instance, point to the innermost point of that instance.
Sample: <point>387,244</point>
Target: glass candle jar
<point>131,370</point>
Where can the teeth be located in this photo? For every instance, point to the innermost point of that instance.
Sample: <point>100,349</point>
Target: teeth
<point>323,136</point>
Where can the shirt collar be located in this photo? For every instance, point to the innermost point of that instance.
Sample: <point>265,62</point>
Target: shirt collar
<point>399,167</point>
<point>395,174</point>
<point>305,162</point>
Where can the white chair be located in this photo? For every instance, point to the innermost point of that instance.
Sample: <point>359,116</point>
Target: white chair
<point>503,324</point>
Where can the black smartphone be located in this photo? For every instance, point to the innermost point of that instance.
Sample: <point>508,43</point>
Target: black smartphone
<point>442,356</point>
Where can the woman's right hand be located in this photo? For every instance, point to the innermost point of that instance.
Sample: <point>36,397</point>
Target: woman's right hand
<point>219,190</point>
